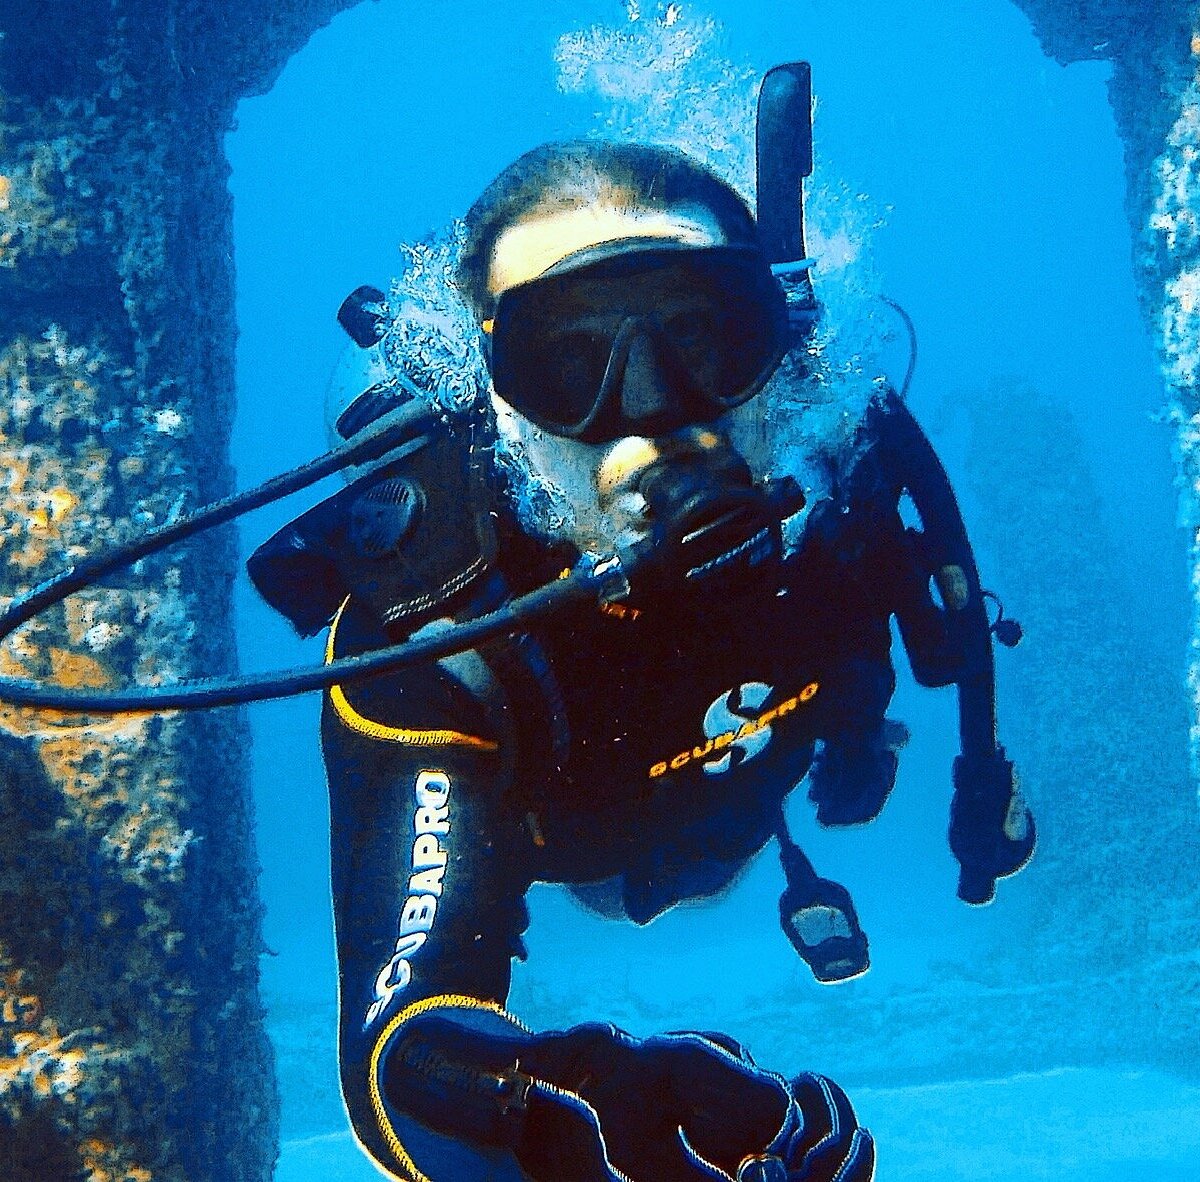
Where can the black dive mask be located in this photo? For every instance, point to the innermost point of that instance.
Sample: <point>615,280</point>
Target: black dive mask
<point>639,343</point>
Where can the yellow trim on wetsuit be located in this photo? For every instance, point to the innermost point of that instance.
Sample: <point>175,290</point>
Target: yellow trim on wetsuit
<point>444,1001</point>
<point>392,734</point>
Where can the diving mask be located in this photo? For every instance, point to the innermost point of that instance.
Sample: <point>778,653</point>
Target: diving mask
<point>638,342</point>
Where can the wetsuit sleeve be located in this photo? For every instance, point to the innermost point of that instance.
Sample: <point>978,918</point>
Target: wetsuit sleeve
<point>593,1104</point>
<point>427,862</point>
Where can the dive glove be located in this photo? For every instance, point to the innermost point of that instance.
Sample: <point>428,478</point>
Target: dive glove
<point>593,1104</point>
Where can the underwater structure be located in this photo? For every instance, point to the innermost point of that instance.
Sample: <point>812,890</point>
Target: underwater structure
<point>131,1037</point>
<point>1154,48</point>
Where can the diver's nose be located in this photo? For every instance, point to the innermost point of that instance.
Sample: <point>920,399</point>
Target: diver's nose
<point>654,393</point>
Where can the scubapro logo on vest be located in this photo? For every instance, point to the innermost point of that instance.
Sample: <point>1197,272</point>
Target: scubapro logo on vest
<point>730,730</point>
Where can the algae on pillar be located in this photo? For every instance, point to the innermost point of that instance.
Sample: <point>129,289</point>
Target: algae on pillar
<point>131,1038</point>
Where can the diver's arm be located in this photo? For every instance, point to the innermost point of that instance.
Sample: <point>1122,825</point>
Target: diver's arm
<point>428,862</point>
<point>429,873</point>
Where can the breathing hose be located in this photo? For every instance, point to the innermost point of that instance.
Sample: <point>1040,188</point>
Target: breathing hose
<point>402,430</point>
<point>583,584</point>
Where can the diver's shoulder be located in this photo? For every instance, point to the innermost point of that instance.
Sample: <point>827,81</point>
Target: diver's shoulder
<point>406,540</point>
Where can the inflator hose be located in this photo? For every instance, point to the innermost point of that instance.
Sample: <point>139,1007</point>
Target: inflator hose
<point>927,483</point>
<point>397,432</point>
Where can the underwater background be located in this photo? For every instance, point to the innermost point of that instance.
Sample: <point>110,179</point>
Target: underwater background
<point>964,174</point>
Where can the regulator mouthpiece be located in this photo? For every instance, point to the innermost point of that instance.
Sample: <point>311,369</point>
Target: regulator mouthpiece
<point>715,532</point>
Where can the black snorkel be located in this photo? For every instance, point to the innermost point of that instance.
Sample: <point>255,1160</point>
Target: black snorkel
<point>783,159</point>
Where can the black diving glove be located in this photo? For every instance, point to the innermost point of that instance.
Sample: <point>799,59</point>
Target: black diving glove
<point>854,772</point>
<point>593,1104</point>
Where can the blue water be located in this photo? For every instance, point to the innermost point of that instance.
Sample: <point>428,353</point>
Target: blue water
<point>996,179</point>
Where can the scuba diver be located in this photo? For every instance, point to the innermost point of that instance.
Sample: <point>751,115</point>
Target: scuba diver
<point>638,750</point>
<point>640,753</point>
<point>637,745</point>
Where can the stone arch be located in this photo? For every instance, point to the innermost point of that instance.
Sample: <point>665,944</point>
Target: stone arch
<point>147,1054</point>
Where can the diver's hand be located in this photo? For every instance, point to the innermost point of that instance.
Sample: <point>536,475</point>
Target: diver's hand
<point>592,1104</point>
<point>680,1108</point>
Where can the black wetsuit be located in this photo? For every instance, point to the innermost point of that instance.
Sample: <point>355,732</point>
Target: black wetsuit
<point>642,756</point>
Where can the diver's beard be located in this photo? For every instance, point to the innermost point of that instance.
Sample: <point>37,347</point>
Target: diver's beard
<point>552,488</point>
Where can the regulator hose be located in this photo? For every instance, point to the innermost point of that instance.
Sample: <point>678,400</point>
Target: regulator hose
<point>911,329</point>
<point>584,584</point>
<point>397,432</point>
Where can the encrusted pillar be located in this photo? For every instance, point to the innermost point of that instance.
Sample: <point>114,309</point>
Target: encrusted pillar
<point>1173,246</point>
<point>1154,48</point>
<point>131,1038</point>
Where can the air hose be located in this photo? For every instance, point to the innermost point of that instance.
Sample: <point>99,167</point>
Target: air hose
<point>398,432</point>
<point>911,329</point>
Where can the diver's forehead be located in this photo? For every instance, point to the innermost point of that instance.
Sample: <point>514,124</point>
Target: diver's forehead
<point>526,249</point>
